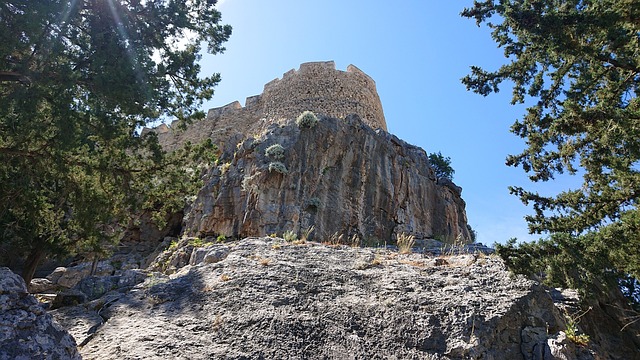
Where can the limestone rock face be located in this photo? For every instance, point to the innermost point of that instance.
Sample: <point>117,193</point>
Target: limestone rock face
<point>268,299</point>
<point>341,177</point>
<point>27,331</point>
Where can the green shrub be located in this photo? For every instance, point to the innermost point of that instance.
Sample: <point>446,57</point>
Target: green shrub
<point>275,152</point>
<point>278,167</point>
<point>289,236</point>
<point>307,120</point>
<point>196,242</point>
<point>173,245</point>
<point>221,238</point>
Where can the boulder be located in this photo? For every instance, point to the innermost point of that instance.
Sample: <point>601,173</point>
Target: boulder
<point>208,254</point>
<point>96,286</point>
<point>131,278</point>
<point>40,285</point>
<point>273,300</point>
<point>70,276</point>
<point>69,297</point>
<point>27,331</point>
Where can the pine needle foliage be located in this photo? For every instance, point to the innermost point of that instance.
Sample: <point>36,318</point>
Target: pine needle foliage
<point>78,80</point>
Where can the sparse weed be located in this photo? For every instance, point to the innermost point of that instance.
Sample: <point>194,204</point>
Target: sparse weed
<point>354,241</point>
<point>173,245</point>
<point>340,239</point>
<point>377,261</point>
<point>216,323</point>
<point>248,184</point>
<point>572,331</point>
<point>224,168</point>
<point>306,234</point>
<point>196,242</point>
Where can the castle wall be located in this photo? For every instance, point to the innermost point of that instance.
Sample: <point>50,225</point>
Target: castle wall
<point>315,86</point>
<point>319,87</point>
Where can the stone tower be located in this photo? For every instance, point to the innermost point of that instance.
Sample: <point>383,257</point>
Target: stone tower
<point>319,87</point>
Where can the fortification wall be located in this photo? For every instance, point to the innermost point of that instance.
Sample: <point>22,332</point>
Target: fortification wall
<point>319,87</point>
<point>315,86</point>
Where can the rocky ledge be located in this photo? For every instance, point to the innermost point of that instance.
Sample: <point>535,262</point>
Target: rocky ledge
<point>264,298</point>
<point>27,331</point>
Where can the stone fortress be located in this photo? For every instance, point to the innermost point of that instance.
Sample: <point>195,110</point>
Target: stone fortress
<point>315,86</point>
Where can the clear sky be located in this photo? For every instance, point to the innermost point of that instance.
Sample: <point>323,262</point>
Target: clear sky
<point>417,51</point>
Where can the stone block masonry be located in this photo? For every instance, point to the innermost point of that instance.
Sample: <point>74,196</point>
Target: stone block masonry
<point>315,86</point>
<point>318,87</point>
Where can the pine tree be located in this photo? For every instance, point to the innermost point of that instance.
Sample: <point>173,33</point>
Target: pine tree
<point>78,80</point>
<point>577,65</point>
<point>441,165</point>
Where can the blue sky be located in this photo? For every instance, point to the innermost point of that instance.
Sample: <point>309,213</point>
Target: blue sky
<point>417,52</point>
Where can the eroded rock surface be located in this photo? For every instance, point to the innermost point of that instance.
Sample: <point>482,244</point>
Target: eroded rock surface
<point>264,298</point>
<point>27,331</point>
<point>342,177</point>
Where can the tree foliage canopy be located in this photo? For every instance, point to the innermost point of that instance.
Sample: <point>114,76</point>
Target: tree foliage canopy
<point>78,79</point>
<point>577,63</point>
<point>441,165</point>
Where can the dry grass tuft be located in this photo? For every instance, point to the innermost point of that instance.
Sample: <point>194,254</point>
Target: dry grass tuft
<point>405,243</point>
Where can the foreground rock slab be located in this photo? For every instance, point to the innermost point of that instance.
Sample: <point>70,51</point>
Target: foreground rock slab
<point>27,331</point>
<point>267,299</point>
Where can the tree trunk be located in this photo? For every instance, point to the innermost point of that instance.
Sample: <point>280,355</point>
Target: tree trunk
<point>31,264</point>
<point>94,264</point>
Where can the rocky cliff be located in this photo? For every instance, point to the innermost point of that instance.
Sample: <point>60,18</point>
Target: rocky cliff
<point>346,176</point>
<point>341,176</point>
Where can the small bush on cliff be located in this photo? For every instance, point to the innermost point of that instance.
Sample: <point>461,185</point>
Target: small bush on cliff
<point>275,151</point>
<point>441,166</point>
<point>307,120</point>
<point>277,166</point>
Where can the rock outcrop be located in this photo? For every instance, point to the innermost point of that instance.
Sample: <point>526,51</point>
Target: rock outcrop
<point>27,331</point>
<point>340,176</point>
<point>346,176</point>
<point>268,299</point>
